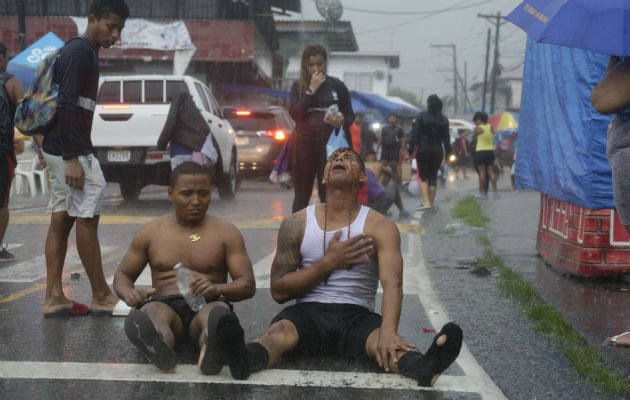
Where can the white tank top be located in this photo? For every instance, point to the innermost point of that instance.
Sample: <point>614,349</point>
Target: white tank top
<point>356,285</point>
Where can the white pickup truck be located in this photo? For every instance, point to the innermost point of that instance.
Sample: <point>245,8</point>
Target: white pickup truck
<point>130,113</point>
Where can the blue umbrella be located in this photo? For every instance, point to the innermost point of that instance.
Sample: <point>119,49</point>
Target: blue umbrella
<point>598,25</point>
<point>24,65</point>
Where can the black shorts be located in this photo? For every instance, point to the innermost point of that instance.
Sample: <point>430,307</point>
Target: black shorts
<point>7,171</point>
<point>181,307</point>
<point>485,157</point>
<point>331,329</point>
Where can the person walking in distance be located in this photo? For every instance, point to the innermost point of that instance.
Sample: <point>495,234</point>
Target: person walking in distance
<point>309,99</point>
<point>76,179</point>
<point>389,144</point>
<point>10,91</point>
<point>484,154</point>
<point>355,132</point>
<point>432,141</point>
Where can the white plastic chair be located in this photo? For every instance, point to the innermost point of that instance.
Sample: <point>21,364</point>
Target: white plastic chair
<point>41,175</point>
<point>25,174</point>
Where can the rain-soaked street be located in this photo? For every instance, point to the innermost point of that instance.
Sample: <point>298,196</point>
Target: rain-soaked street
<point>90,357</point>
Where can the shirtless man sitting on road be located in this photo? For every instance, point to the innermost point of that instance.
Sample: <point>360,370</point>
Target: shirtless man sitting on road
<point>208,245</point>
<point>330,258</point>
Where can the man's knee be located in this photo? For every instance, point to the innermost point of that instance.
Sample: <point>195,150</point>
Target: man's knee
<point>283,331</point>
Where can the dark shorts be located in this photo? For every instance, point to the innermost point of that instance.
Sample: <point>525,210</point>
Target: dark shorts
<point>390,153</point>
<point>331,329</point>
<point>181,308</point>
<point>7,171</point>
<point>485,157</point>
<point>384,203</point>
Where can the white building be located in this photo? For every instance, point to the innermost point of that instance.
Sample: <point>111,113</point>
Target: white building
<point>368,72</point>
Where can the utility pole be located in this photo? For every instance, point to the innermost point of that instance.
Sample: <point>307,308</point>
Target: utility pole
<point>21,14</point>
<point>465,85</point>
<point>485,75</point>
<point>495,70</point>
<point>455,90</point>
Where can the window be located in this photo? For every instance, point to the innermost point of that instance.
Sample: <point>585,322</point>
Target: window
<point>203,96</point>
<point>362,81</point>
<point>173,88</point>
<point>216,110</point>
<point>109,92</point>
<point>154,92</point>
<point>132,92</point>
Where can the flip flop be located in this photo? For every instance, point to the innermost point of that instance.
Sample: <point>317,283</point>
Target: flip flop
<point>211,362</point>
<point>77,310</point>
<point>613,340</point>
<point>100,313</point>
<point>438,358</point>
<point>148,340</point>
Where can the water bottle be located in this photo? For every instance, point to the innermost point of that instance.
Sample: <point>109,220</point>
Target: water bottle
<point>184,278</point>
<point>333,110</point>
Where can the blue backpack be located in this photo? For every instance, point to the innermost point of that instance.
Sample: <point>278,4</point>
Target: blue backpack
<point>36,110</point>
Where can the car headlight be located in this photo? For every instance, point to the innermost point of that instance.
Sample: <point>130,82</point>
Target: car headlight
<point>452,158</point>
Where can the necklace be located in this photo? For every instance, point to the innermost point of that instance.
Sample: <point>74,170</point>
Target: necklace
<point>194,237</point>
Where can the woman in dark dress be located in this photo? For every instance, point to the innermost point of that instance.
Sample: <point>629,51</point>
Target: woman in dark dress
<point>432,139</point>
<point>310,97</point>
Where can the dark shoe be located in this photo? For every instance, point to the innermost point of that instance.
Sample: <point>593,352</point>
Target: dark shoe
<point>211,362</point>
<point>5,256</point>
<point>148,340</point>
<point>438,358</point>
<point>231,341</point>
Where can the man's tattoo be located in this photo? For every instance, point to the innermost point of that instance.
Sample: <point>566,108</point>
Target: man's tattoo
<point>288,257</point>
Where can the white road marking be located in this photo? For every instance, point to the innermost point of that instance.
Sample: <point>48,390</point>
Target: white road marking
<point>30,270</point>
<point>416,280</point>
<point>188,373</point>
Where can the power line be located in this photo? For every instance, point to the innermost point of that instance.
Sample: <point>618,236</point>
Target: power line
<point>454,8</point>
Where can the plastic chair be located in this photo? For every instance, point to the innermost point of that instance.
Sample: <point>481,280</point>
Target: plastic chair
<point>41,175</point>
<point>25,175</point>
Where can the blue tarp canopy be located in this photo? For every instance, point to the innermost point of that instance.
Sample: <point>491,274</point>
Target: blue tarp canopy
<point>25,64</point>
<point>561,138</point>
<point>362,100</point>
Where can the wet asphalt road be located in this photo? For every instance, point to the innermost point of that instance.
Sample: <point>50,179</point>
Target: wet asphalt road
<point>89,357</point>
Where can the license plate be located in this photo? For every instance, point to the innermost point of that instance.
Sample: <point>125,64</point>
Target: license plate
<point>118,155</point>
<point>242,140</point>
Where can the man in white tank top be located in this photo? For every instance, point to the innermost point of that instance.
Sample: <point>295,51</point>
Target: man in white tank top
<point>329,259</point>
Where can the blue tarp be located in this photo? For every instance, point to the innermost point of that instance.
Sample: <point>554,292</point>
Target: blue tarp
<point>25,64</point>
<point>370,100</point>
<point>561,138</point>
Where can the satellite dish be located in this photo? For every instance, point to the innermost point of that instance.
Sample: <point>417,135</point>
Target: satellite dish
<point>331,10</point>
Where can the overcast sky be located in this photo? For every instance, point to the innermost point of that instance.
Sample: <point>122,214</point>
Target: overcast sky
<point>411,35</point>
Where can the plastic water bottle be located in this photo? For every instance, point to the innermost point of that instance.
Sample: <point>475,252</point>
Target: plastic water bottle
<point>184,279</point>
<point>333,110</point>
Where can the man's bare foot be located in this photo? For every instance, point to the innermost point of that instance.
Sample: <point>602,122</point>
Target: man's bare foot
<point>106,304</point>
<point>623,339</point>
<point>52,305</point>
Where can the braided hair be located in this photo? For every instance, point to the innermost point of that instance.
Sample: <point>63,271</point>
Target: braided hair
<point>352,195</point>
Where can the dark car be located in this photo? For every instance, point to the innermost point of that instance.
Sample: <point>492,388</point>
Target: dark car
<point>260,135</point>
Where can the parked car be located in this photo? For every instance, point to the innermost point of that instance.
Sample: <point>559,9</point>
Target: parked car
<point>129,116</point>
<point>260,135</point>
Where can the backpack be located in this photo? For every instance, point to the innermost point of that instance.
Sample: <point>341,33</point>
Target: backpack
<point>6,126</point>
<point>36,110</point>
